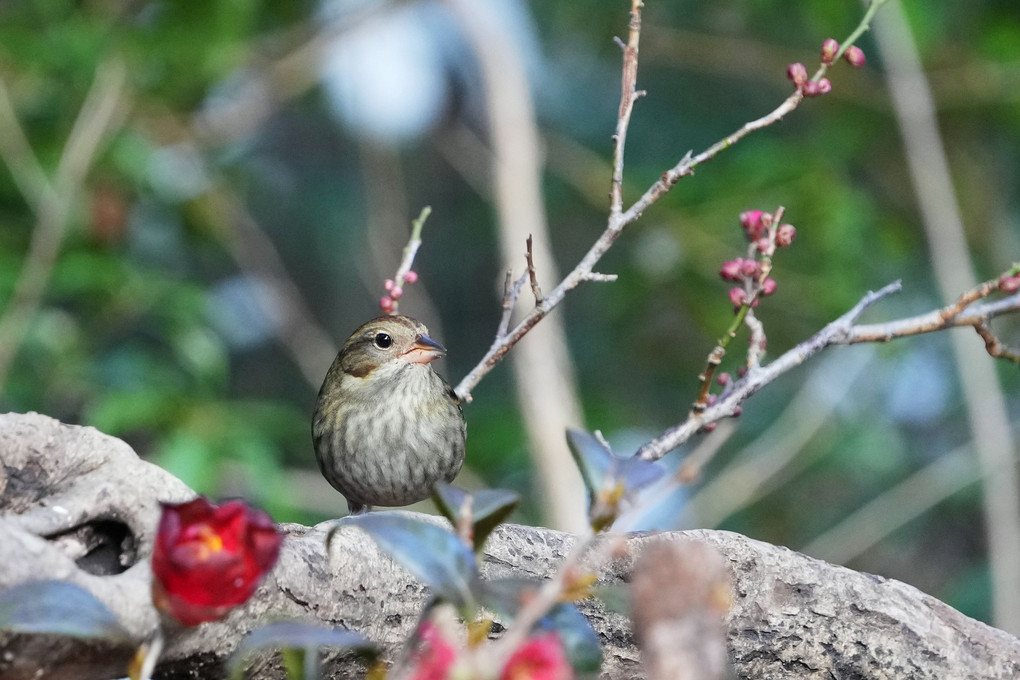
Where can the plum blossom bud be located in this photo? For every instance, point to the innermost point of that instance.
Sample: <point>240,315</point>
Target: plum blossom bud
<point>731,269</point>
<point>1009,284</point>
<point>817,88</point>
<point>750,268</point>
<point>411,276</point>
<point>737,297</point>
<point>396,292</point>
<point>388,284</point>
<point>387,304</point>
<point>829,50</point>
<point>785,234</point>
<point>763,244</point>
<point>797,73</point>
<point>768,287</point>
<point>754,223</point>
<point>724,379</point>
<point>854,56</point>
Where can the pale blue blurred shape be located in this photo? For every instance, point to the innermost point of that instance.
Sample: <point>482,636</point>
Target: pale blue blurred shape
<point>237,310</point>
<point>385,78</point>
<point>177,173</point>
<point>919,386</point>
<point>391,77</point>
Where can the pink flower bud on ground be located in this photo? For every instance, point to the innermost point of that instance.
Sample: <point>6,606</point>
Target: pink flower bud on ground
<point>411,276</point>
<point>434,657</point>
<point>731,269</point>
<point>768,287</point>
<point>388,284</point>
<point>829,50</point>
<point>797,73</point>
<point>387,304</point>
<point>540,658</point>
<point>854,56</point>
<point>737,297</point>
<point>1009,284</point>
<point>785,234</point>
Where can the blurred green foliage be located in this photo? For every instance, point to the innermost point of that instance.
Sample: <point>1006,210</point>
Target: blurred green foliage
<point>145,331</point>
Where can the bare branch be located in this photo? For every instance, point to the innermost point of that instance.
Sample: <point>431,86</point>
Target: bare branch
<point>100,113</point>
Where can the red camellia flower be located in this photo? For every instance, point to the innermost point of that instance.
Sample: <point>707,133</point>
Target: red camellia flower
<point>434,656</point>
<point>540,658</point>
<point>208,559</point>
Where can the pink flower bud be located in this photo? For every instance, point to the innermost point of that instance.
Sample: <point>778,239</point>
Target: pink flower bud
<point>388,284</point>
<point>824,86</point>
<point>396,292</point>
<point>829,49</point>
<point>709,427</point>
<point>411,276</point>
<point>753,223</point>
<point>768,287</point>
<point>750,268</point>
<point>724,379</point>
<point>731,270</point>
<point>763,245</point>
<point>797,73</point>
<point>854,56</point>
<point>1009,284</point>
<point>737,411</point>
<point>737,297</point>
<point>785,234</point>
<point>387,304</point>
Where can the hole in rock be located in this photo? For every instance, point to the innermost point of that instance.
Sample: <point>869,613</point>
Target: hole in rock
<point>101,547</point>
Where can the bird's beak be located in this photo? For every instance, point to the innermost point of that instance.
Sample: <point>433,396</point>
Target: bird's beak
<point>424,350</point>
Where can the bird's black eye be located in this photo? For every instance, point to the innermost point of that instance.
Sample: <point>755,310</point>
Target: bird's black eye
<point>383,340</point>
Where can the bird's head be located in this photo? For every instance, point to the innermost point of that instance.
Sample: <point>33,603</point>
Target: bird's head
<point>388,339</point>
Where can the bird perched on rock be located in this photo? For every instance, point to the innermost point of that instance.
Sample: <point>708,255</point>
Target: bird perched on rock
<point>386,427</point>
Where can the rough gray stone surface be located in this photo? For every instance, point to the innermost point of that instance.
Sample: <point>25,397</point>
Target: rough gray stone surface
<point>78,505</point>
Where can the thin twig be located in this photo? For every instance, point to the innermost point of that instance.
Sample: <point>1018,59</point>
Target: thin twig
<point>618,218</point>
<point>532,274</point>
<point>842,331</point>
<point>837,332</point>
<point>101,112</point>
<point>395,288</point>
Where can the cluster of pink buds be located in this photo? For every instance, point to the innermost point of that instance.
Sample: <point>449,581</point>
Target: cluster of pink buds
<point>394,291</point>
<point>1009,284</point>
<point>761,230</point>
<point>797,72</point>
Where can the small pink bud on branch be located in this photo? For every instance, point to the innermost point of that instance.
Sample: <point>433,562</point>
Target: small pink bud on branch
<point>854,56</point>
<point>830,48</point>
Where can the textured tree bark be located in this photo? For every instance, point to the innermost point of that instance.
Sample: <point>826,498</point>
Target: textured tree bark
<point>78,505</point>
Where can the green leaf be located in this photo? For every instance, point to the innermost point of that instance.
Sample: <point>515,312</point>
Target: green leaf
<point>433,554</point>
<point>58,607</point>
<point>489,508</point>
<point>580,641</point>
<point>593,459</point>
<point>303,637</point>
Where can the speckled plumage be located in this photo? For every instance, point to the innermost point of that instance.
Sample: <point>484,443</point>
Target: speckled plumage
<point>386,427</point>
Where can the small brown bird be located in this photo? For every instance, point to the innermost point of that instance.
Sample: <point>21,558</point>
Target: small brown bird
<point>386,427</point>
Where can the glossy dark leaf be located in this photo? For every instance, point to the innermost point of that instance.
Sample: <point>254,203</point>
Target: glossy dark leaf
<point>59,607</point>
<point>593,459</point>
<point>292,635</point>
<point>489,508</point>
<point>433,554</point>
<point>580,641</point>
